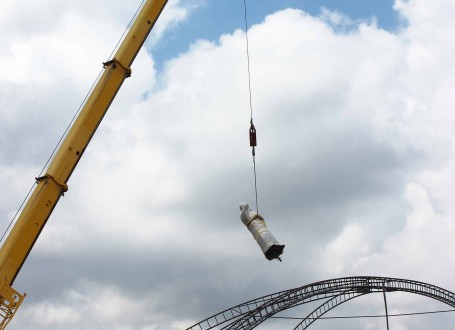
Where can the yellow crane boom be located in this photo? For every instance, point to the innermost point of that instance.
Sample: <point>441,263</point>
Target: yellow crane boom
<point>51,186</point>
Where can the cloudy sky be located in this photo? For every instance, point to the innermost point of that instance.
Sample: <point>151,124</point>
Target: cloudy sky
<point>353,104</point>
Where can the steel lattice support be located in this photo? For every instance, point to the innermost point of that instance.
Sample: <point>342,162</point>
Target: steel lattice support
<point>327,306</point>
<point>252,313</point>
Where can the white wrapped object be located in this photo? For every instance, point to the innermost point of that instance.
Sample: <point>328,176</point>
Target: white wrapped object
<point>256,225</point>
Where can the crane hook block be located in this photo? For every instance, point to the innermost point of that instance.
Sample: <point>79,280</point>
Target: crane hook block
<point>253,142</point>
<point>256,225</point>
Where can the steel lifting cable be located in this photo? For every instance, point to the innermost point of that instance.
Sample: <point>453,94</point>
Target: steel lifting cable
<point>70,124</point>
<point>252,131</point>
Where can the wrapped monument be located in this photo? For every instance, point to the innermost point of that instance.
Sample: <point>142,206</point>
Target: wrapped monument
<point>256,225</point>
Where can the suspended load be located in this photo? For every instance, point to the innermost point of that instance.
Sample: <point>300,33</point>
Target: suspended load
<point>256,225</point>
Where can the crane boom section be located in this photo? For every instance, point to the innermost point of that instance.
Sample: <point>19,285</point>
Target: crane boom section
<point>53,184</point>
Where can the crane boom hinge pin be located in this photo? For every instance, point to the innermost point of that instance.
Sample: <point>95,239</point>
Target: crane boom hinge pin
<point>116,63</point>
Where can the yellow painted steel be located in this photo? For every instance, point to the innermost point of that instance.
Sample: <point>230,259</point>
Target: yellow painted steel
<point>53,184</point>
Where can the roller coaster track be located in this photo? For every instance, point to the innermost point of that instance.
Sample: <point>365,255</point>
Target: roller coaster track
<point>250,314</point>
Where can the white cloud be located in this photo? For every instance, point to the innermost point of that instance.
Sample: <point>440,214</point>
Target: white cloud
<point>47,314</point>
<point>347,250</point>
<point>355,162</point>
<point>421,248</point>
<point>174,13</point>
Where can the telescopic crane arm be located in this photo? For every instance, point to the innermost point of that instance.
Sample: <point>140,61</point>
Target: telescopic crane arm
<point>51,186</point>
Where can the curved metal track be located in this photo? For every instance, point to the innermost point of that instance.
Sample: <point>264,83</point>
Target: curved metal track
<point>327,306</point>
<point>250,314</point>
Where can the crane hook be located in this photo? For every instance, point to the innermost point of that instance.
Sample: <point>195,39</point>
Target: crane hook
<point>253,141</point>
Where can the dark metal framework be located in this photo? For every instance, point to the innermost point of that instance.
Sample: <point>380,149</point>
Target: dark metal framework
<point>250,314</point>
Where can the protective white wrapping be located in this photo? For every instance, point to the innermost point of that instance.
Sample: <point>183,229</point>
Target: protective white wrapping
<point>256,225</point>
